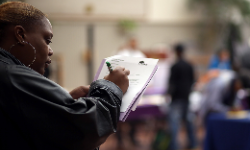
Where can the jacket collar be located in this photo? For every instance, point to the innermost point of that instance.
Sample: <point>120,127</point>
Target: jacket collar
<point>7,58</point>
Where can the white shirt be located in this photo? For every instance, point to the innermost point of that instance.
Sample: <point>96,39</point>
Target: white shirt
<point>130,52</point>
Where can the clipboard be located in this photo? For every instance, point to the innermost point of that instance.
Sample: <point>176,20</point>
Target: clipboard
<point>142,70</point>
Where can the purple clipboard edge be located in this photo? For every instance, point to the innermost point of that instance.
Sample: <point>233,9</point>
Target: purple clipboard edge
<point>124,115</point>
<point>99,70</point>
<point>128,112</point>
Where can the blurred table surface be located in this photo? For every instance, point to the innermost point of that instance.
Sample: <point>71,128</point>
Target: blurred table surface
<point>224,133</point>
<point>145,111</point>
<point>149,106</point>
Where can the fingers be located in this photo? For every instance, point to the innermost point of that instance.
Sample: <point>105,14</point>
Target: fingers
<point>120,68</point>
<point>119,76</point>
<point>80,91</point>
<point>85,88</point>
<point>127,72</point>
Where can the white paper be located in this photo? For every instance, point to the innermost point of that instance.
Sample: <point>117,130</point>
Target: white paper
<point>140,72</point>
<point>140,97</point>
<point>137,101</point>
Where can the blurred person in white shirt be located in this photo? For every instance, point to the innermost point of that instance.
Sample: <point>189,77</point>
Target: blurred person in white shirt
<point>131,49</point>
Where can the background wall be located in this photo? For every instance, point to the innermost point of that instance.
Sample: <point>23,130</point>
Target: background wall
<point>159,21</point>
<point>150,10</point>
<point>70,41</point>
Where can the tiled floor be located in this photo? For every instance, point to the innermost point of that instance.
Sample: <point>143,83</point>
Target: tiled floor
<point>145,135</point>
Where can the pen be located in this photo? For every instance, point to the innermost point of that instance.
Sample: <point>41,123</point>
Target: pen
<point>109,66</point>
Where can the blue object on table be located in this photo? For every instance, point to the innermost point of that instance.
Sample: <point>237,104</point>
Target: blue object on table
<point>227,134</point>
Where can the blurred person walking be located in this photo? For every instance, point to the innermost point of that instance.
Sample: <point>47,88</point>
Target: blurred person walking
<point>180,84</point>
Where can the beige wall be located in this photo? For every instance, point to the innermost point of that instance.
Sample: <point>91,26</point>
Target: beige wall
<point>172,11</point>
<point>160,21</point>
<point>99,7</point>
<point>150,10</point>
<point>70,40</point>
<point>108,40</point>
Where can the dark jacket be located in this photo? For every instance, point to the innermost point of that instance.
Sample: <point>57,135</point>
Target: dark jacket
<point>36,113</point>
<point>181,80</point>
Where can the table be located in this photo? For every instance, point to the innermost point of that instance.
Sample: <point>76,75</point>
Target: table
<point>145,111</point>
<point>227,134</point>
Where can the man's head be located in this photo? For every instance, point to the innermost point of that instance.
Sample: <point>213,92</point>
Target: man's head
<point>132,43</point>
<point>223,54</point>
<point>179,49</point>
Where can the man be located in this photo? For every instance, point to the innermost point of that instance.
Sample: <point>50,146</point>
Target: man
<point>180,83</point>
<point>131,49</point>
<point>219,93</point>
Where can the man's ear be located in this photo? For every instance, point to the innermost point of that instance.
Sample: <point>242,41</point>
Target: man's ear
<point>19,33</point>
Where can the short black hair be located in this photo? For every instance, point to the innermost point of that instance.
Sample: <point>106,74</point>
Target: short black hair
<point>179,48</point>
<point>221,49</point>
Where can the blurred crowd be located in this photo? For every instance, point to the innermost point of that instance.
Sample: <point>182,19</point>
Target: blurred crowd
<point>190,98</point>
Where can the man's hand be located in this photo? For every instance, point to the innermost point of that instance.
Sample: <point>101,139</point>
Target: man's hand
<point>119,76</point>
<point>80,91</point>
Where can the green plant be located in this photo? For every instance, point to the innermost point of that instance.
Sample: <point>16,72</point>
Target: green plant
<point>1,1</point>
<point>127,26</point>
